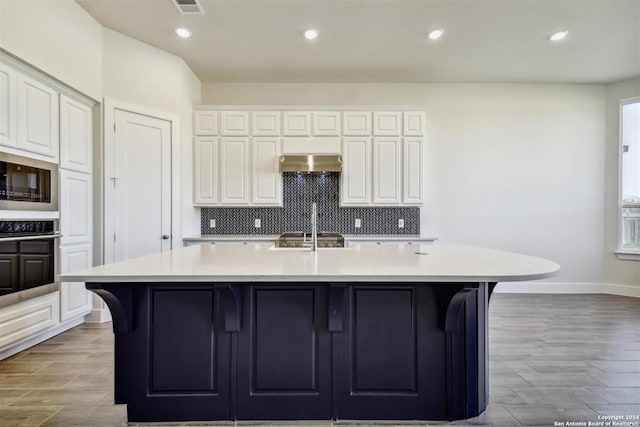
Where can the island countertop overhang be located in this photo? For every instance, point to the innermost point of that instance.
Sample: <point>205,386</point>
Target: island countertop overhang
<point>359,263</point>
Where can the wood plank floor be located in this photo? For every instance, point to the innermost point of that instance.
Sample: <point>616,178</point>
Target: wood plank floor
<point>553,358</point>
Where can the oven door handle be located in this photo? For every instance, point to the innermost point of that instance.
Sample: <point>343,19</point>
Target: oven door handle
<point>55,235</point>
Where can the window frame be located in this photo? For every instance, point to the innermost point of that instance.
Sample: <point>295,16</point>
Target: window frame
<point>622,252</point>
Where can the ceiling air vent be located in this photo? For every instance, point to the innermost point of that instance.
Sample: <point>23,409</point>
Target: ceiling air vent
<point>188,6</point>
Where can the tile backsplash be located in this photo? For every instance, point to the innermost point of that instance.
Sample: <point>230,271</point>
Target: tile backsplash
<point>300,190</point>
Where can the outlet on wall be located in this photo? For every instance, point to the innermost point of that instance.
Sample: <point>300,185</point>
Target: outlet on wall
<point>212,223</point>
<point>401,223</point>
<point>358,223</point>
<point>257,223</point>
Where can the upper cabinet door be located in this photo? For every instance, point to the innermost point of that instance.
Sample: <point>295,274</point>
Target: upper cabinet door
<point>37,117</point>
<point>235,174</point>
<point>355,181</point>
<point>75,135</point>
<point>267,180</point>
<point>296,123</point>
<point>412,171</point>
<point>387,123</point>
<point>205,122</point>
<point>234,123</point>
<point>356,123</point>
<point>387,176</point>
<point>7,106</point>
<point>414,123</point>
<point>75,207</point>
<point>326,123</point>
<point>205,168</point>
<point>265,123</point>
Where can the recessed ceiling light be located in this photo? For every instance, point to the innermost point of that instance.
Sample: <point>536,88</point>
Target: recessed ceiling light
<point>311,34</point>
<point>558,36</point>
<point>436,34</point>
<point>183,32</point>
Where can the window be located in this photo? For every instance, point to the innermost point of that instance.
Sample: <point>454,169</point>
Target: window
<point>630,176</point>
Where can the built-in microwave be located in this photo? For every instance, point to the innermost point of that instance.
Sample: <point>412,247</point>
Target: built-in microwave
<point>27,184</point>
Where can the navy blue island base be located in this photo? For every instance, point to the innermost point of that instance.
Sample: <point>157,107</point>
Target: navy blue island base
<point>195,351</point>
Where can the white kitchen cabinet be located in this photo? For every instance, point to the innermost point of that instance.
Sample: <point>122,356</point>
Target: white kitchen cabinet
<point>75,299</point>
<point>387,123</point>
<point>296,123</point>
<point>205,122</point>
<point>8,135</point>
<point>355,183</point>
<point>414,123</point>
<point>75,135</point>
<point>412,171</point>
<point>265,123</point>
<point>234,123</point>
<point>75,207</point>
<point>356,123</point>
<point>235,174</point>
<point>206,170</point>
<point>267,180</point>
<point>326,123</point>
<point>23,320</point>
<point>38,118</point>
<point>387,175</point>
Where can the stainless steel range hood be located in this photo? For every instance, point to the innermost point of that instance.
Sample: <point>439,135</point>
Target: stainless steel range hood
<point>311,163</point>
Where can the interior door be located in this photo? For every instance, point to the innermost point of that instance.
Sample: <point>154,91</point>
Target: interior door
<point>141,186</point>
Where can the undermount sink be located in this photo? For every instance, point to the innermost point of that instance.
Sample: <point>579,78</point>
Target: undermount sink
<point>305,249</point>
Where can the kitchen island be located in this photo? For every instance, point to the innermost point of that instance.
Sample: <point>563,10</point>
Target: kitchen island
<point>252,332</point>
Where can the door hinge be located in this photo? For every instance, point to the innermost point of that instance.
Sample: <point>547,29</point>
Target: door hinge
<point>114,127</point>
<point>114,237</point>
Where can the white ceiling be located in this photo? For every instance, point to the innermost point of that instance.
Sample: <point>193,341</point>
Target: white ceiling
<point>385,40</point>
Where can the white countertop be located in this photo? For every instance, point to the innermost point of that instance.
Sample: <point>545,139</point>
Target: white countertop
<point>274,237</point>
<point>257,262</point>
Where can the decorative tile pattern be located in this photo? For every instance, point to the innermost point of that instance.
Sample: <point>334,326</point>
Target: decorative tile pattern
<point>299,192</point>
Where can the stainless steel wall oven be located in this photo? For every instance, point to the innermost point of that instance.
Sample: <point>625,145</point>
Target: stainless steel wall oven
<point>27,184</point>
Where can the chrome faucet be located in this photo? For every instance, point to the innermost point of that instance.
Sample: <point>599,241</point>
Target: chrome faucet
<point>314,227</point>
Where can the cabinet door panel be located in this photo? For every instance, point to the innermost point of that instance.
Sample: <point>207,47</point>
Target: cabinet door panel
<point>267,179</point>
<point>391,366</point>
<point>234,169</point>
<point>35,270</point>
<point>387,123</point>
<point>412,171</point>
<point>234,123</point>
<point>8,273</point>
<point>266,123</point>
<point>414,123</point>
<point>206,171</point>
<point>356,123</point>
<point>8,135</point>
<point>326,123</point>
<point>205,122</point>
<point>356,172</point>
<point>284,354</point>
<point>75,300</point>
<point>75,207</point>
<point>37,117</point>
<point>296,123</point>
<point>75,135</point>
<point>386,171</point>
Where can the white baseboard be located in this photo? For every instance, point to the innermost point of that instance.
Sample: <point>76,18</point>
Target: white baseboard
<point>37,339</point>
<point>98,315</point>
<point>567,288</point>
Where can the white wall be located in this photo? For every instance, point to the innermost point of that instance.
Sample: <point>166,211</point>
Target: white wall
<point>508,166</point>
<point>58,37</point>
<point>142,75</point>
<point>616,271</point>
